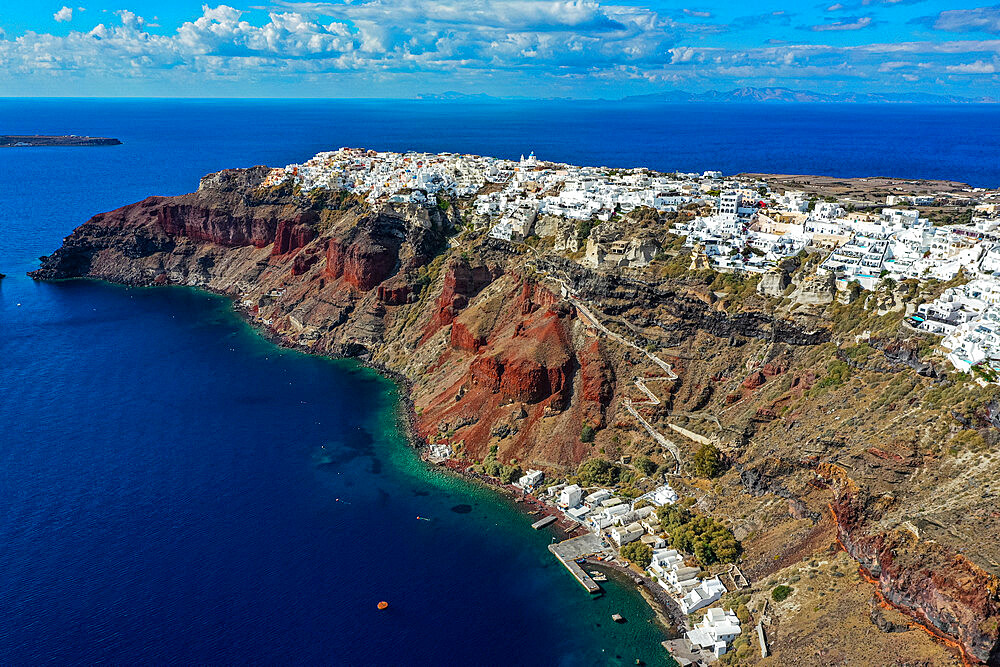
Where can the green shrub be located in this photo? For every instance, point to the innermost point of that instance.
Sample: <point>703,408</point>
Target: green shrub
<point>781,593</point>
<point>599,472</point>
<point>587,433</point>
<point>644,465</point>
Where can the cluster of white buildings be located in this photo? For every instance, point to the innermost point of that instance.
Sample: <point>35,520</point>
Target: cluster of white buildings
<point>600,509</point>
<point>719,627</point>
<point>521,190</point>
<point>968,316</point>
<point>868,247</point>
<point>682,581</point>
<point>623,523</point>
<point>863,246</point>
<point>584,193</point>
<point>395,177</point>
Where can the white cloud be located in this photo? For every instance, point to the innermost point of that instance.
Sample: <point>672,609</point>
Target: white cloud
<point>554,43</point>
<point>847,24</point>
<point>63,15</point>
<point>978,67</point>
<point>369,35</point>
<point>983,19</point>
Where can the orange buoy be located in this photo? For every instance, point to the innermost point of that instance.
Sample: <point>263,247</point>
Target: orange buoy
<point>383,605</point>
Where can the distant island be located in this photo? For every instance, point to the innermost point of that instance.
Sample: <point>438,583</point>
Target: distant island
<point>31,141</point>
<point>750,94</point>
<point>741,96</point>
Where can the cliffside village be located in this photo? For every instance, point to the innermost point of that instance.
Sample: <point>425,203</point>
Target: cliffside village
<point>741,225</point>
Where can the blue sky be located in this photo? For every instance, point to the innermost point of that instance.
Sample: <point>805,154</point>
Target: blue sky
<point>537,48</point>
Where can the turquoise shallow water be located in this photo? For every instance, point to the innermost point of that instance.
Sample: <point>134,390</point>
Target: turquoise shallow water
<point>174,489</point>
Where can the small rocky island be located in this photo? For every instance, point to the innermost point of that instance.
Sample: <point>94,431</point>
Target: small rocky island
<point>35,140</point>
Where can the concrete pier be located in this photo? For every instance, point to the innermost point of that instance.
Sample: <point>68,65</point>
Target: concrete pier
<point>568,551</point>
<point>578,573</point>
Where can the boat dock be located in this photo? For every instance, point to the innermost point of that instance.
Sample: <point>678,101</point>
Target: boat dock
<point>545,521</point>
<point>568,551</point>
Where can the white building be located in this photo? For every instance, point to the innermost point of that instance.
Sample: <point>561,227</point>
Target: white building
<point>717,629</point>
<point>622,535</point>
<point>571,496</point>
<point>730,203</point>
<point>530,480</point>
<point>681,579</point>
<point>663,495</point>
<point>597,497</point>
<point>665,561</point>
<point>702,595</point>
<point>604,517</point>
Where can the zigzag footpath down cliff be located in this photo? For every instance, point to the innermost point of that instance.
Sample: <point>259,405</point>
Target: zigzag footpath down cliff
<point>490,355</point>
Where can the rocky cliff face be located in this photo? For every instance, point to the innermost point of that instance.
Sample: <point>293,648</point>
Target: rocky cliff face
<point>482,345</point>
<point>941,590</point>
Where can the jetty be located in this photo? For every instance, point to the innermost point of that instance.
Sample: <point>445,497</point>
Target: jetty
<point>569,551</point>
<point>544,521</point>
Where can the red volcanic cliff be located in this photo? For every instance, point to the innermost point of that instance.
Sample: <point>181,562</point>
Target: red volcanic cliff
<point>462,281</point>
<point>521,390</point>
<point>939,589</point>
<point>291,235</point>
<point>363,262</point>
<point>346,280</point>
<point>216,226</point>
<point>597,377</point>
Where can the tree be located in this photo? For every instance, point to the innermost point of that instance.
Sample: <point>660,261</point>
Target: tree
<point>638,553</point>
<point>587,433</point>
<point>703,552</point>
<point>510,474</point>
<point>672,516</point>
<point>644,465</point>
<point>583,229</point>
<point>781,593</point>
<point>708,461</point>
<point>708,539</point>
<point>599,472</point>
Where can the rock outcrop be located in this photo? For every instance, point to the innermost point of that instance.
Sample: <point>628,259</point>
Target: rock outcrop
<point>774,283</point>
<point>816,290</point>
<point>941,590</point>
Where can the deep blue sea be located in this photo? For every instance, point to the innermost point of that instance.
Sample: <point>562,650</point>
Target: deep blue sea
<point>174,489</point>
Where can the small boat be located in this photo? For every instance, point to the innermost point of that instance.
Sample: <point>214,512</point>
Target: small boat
<point>598,576</point>
<point>617,618</point>
<point>383,605</point>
